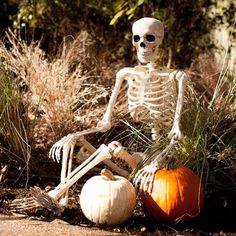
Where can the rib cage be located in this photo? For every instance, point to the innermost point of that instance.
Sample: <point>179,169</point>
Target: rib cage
<point>152,97</point>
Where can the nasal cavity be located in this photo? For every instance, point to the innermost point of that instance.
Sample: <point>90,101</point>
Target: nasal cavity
<point>142,45</point>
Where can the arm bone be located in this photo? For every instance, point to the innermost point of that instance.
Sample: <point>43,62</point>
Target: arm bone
<point>181,77</point>
<point>105,123</point>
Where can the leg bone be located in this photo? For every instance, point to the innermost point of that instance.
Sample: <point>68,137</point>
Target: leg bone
<point>119,152</point>
<point>83,142</point>
<point>100,155</point>
<point>66,163</point>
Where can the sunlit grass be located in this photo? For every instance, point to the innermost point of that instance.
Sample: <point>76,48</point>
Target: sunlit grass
<point>13,130</point>
<point>56,92</point>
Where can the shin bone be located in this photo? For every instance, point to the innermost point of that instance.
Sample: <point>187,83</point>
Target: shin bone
<point>100,155</point>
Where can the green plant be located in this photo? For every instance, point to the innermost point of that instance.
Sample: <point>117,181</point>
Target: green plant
<point>187,24</point>
<point>14,131</point>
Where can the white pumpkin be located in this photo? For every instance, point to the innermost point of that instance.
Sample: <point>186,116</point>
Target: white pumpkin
<point>108,199</point>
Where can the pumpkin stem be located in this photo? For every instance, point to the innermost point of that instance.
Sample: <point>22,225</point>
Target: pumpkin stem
<point>170,164</point>
<point>107,173</point>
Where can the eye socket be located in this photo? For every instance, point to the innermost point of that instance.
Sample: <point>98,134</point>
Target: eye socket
<point>150,37</point>
<point>136,38</point>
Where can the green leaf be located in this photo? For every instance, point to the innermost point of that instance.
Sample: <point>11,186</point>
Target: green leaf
<point>116,17</point>
<point>140,2</point>
<point>131,11</point>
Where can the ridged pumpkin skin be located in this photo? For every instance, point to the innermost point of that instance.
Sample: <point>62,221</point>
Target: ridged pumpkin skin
<point>177,196</point>
<point>108,202</point>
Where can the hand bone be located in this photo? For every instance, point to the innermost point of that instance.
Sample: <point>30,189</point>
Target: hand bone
<point>146,177</point>
<point>65,144</point>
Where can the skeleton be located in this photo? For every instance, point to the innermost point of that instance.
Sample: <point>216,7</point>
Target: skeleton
<point>152,96</point>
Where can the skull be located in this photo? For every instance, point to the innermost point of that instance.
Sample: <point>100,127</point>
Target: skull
<point>147,36</point>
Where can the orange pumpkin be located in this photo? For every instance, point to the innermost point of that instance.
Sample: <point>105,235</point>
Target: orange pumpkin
<point>177,196</point>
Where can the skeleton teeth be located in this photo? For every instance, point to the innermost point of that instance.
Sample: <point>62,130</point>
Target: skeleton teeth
<point>144,54</point>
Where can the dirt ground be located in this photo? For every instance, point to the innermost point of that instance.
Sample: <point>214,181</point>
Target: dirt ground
<point>73,222</point>
<point>14,226</point>
<point>70,222</point>
<point>218,216</point>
